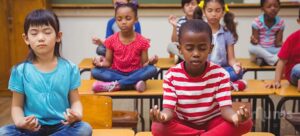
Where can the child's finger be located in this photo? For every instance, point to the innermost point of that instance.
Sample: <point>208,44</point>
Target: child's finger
<point>29,118</point>
<point>32,124</point>
<point>151,114</point>
<point>66,116</point>
<point>64,122</point>
<point>37,128</point>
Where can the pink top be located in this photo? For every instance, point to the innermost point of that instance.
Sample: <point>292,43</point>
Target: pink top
<point>267,35</point>
<point>127,58</point>
<point>290,51</point>
<point>197,99</point>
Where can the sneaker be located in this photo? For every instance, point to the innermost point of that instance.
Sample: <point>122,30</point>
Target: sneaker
<point>239,85</point>
<point>100,86</point>
<point>140,86</point>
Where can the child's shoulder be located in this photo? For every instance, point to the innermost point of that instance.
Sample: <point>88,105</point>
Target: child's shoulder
<point>20,66</point>
<point>66,63</point>
<point>279,20</point>
<point>214,68</point>
<point>141,39</point>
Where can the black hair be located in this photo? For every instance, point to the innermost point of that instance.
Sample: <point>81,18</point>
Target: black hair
<point>183,2</point>
<point>41,17</point>
<point>196,26</point>
<point>228,17</point>
<point>262,2</point>
<point>133,6</point>
<point>198,14</point>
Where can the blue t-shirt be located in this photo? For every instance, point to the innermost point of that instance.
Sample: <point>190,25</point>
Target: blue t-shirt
<point>221,40</point>
<point>46,95</point>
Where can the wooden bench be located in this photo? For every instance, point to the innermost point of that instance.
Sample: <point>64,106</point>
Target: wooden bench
<point>163,64</point>
<point>287,92</point>
<point>248,134</point>
<point>113,132</point>
<point>166,63</point>
<point>250,66</point>
<point>86,65</point>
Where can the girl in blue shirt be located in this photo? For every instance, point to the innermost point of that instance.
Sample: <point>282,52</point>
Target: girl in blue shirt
<point>45,98</point>
<point>224,38</point>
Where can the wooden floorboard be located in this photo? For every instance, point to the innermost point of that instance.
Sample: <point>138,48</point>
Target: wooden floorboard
<point>5,108</point>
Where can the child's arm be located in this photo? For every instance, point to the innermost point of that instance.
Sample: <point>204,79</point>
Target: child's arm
<point>104,62</point>
<point>235,117</point>
<point>144,57</point>
<point>254,37</point>
<point>75,113</point>
<point>231,59</point>
<point>278,74</point>
<point>172,21</point>
<point>161,116</point>
<point>278,38</point>
<point>30,122</point>
<point>97,41</point>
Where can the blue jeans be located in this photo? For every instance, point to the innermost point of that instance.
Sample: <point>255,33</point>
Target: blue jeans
<point>124,79</point>
<point>76,129</point>
<point>101,50</point>
<point>233,76</point>
<point>295,75</point>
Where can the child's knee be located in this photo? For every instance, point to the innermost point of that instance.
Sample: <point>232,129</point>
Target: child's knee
<point>158,129</point>
<point>296,70</point>
<point>84,129</point>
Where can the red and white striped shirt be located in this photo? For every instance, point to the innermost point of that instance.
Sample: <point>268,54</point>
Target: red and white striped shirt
<point>196,99</point>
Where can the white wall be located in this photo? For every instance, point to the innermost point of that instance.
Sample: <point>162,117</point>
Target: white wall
<point>79,25</point>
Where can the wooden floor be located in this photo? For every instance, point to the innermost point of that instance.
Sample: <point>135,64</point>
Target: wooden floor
<point>5,117</point>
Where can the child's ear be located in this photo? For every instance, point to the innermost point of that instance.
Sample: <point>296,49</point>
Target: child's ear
<point>58,37</point>
<point>136,19</point>
<point>25,38</point>
<point>211,48</point>
<point>298,21</point>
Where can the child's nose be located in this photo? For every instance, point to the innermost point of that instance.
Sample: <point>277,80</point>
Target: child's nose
<point>41,37</point>
<point>196,53</point>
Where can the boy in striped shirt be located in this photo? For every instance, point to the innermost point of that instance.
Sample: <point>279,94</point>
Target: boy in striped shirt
<point>197,96</point>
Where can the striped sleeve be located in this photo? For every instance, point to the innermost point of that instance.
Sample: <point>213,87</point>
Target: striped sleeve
<point>223,93</point>
<point>255,24</point>
<point>169,96</point>
<point>282,24</point>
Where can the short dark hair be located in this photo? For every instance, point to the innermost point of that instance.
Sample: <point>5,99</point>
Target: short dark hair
<point>262,2</point>
<point>133,6</point>
<point>195,25</point>
<point>183,2</point>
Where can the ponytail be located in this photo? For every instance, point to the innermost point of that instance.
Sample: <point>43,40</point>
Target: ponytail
<point>198,14</point>
<point>230,24</point>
